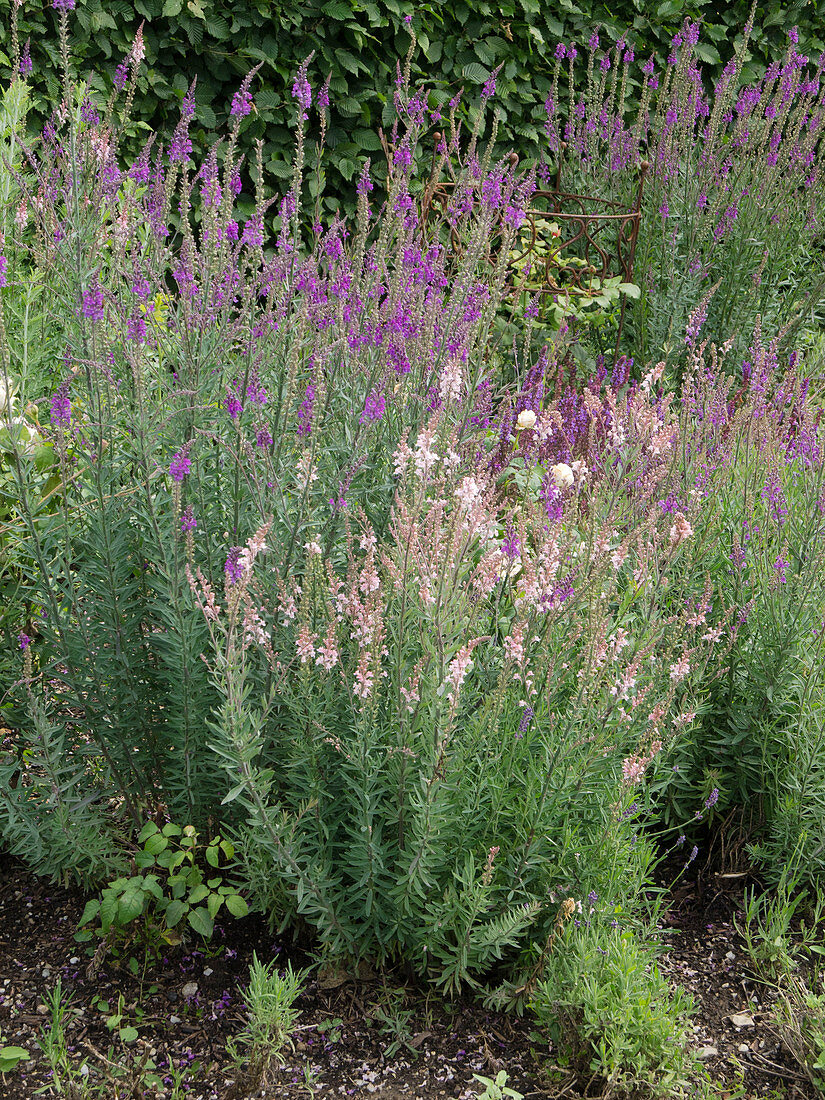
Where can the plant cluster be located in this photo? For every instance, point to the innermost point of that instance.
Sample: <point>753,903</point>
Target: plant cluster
<point>269,1001</point>
<point>143,904</point>
<point>428,613</point>
<point>608,1011</point>
<point>782,932</point>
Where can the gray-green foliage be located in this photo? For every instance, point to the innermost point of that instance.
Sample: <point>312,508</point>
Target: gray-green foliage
<point>269,1000</point>
<point>609,1011</point>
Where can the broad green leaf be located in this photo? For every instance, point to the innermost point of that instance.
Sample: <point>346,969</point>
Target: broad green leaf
<point>131,904</point>
<point>92,908</point>
<point>149,829</point>
<point>198,894</point>
<point>156,844</point>
<point>201,922</point>
<point>476,73</point>
<point>174,912</point>
<point>237,905</point>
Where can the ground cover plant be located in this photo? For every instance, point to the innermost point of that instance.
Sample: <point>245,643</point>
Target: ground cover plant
<point>344,587</point>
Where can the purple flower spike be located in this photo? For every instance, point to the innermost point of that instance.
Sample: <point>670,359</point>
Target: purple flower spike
<point>61,407</point>
<point>93,303</point>
<point>301,89</point>
<point>180,465</point>
<point>24,640</point>
<point>25,66</point>
<point>233,567</point>
<point>187,520</point>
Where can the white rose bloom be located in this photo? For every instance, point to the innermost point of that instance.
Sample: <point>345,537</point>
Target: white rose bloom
<point>526,419</point>
<point>562,475</point>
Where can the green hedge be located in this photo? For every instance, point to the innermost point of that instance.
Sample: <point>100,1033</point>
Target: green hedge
<point>359,42</point>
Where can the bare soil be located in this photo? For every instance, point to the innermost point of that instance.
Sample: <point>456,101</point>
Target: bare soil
<point>359,1036</point>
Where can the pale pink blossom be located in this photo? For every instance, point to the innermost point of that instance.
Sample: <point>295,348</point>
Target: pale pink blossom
<point>633,768</point>
<point>411,693</point>
<point>364,678</point>
<point>451,381</point>
<point>254,627</point>
<point>618,557</point>
<point>425,456</point>
<point>468,492</point>
<point>514,644</point>
<point>680,669</point>
<point>401,459</point>
<point>328,654</point>
<point>305,644</point>
<point>459,667</point>
<point>680,530</point>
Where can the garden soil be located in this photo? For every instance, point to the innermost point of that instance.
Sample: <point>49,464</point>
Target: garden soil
<point>359,1035</point>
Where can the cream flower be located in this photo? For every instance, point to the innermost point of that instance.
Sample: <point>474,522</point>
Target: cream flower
<point>562,475</point>
<point>526,419</point>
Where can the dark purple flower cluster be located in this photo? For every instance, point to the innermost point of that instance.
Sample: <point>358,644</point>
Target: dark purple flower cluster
<point>93,304</point>
<point>233,567</point>
<point>61,406</point>
<point>305,411</point>
<point>374,407</point>
<point>233,403</point>
<point>180,465</point>
<point>25,66</point>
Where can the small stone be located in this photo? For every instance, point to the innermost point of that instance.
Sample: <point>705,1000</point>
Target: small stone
<point>190,989</point>
<point>46,972</point>
<point>174,1019</point>
<point>42,1010</point>
<point>742,1019</point>
<point>708,1052</point>
<point>744,1048</point>
<point>730,955</point>
<point>74,960</point>
<point>207,971</point>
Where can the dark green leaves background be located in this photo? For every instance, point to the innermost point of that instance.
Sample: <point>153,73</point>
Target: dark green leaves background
<point>359,42</point>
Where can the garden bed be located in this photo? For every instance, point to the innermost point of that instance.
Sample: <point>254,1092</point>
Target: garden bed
<point>191,1004</point>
